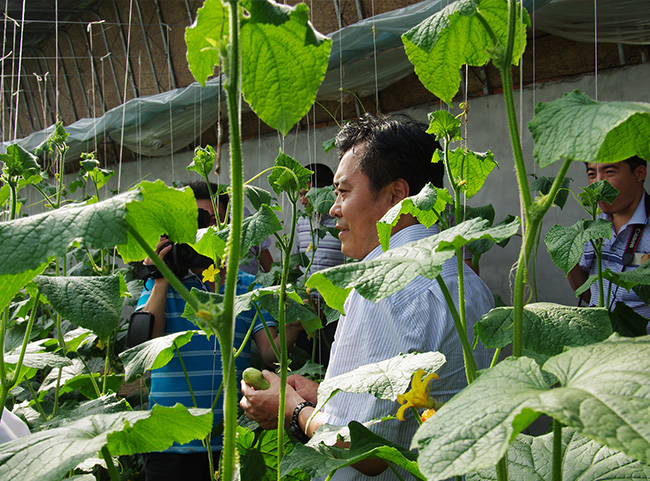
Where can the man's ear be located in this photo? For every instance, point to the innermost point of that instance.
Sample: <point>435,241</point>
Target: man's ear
<point>399,190</point>
<point>640,173</point>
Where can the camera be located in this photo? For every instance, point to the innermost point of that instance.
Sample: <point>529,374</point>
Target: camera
<point>182,257</point>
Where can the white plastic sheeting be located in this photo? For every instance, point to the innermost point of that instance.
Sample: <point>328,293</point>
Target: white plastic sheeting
<point>366,56</point>
<point>613,21</point>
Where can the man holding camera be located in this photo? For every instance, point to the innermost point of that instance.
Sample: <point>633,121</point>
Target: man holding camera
<point>200,358</point>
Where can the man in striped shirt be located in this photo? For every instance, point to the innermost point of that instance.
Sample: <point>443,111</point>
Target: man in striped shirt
<point>628,214</point>
<point>382,161</point>
<point>199,360</point>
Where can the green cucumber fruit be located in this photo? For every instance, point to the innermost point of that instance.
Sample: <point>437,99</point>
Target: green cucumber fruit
<point>253,377</point>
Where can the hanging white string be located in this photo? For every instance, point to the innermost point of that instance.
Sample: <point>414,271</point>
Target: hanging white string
<point>56,61</point>
<point>89,29</point>
<point>534,95</point>
<point>596,47</point>
<point>374,54</point>
<point>20,63</point>
<point>126,76</point>
<point>171,117</point>
<point>522,32</point>
<point>14,74</point>
<point>340,23</point>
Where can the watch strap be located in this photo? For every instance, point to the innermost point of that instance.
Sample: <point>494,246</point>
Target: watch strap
<point>294,427</point>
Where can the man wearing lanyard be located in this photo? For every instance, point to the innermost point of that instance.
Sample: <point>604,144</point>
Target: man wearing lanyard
<point>629,246</point>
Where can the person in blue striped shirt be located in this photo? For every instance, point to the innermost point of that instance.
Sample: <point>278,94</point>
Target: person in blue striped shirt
<point>382,161</point>
<point>200,358</point>
<point>323,251</point>
<point>629,246</point>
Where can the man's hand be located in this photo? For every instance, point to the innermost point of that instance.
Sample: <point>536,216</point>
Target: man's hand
<point>262,406</point>
<point>162,249</point>
<point>306,388</point>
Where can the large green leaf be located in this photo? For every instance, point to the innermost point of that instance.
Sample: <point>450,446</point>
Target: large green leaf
<point>163,210</point>
<point>288,175</point>
<point>473,430</point>
<point>471,169</point>
<point>384,379</point>
<point>320,460</point>
<point>259,456</point>
<point>284,60</point>
<point>426,207</point>
<point>603,395</point>
<point>90,302</point>
<point>578,128</point>
<point>454,36</point>
<point>255,228</point>
<point>10,284</point>
<point>28,242</point>
<point>627,322</point>
<point>396,268</point>
<point>548,327</point>
<point>321,199</point>
<point>206,38</point>
<point>19,163</point>
<point>582,459</point>
<point>49,455</point>
<point>543,184</point>
<point>633,278</point>
<point>106,404</point>
<point>153,354</point>
<point>296,310</point>
<point>566,244</point>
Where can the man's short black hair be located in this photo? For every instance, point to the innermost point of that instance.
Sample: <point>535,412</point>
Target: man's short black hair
<point>201,192</point>
<point>397,147</point>
<point>635,162</point>
<point>322,176</point>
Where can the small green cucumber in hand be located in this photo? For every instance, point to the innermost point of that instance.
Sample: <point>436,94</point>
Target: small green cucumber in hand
<point>253,377</point>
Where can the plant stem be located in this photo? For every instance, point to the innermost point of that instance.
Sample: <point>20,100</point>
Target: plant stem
<point>502,468</point>
<point>14,201</point>
<point>470,363</point>
<point>557,450</point>
<point>107,365</point>
<point>165,271</point>
<point>601,284</point>
<point>112,470</point>
<point>5,386</point>
<point>91,377</point>
<point>37,403</point>
<point>23,349</point>
<point>187,376</point>
<point>233,94</point>
<point>281,330</point>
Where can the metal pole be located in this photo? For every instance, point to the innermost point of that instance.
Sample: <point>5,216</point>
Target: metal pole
<point>163,34</point>
<point>148,47</point>
<point>76,64</point>
<point>128,57</point>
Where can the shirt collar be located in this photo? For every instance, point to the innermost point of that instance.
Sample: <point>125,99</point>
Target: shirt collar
<point>640,216</point>
<point>404,236</point>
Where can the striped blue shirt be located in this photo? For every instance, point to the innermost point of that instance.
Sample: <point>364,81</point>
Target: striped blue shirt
<point>326,252</point>
<point>413,319</point>
<point>613,250</point>
<point>201,356</point>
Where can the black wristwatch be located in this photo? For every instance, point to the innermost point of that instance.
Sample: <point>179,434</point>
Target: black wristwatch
<point>294,427</point>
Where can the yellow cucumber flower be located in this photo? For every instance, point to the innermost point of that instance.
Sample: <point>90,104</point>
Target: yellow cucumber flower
<point>210,273</point>
<point>418,396</point>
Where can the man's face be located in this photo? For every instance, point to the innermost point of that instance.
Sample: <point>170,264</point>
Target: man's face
<point>303,195</point>
<point>357,209</point>
<point>629,184</point>
<point>206,204</point>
